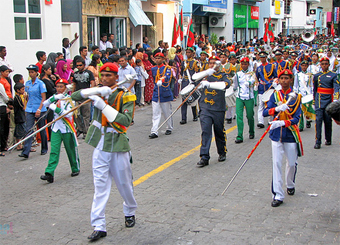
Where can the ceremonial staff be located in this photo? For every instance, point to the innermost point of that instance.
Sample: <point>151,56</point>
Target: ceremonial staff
<point>128,78</point>
<point>292,95</point>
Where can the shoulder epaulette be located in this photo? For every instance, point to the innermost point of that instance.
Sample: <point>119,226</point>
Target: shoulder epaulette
<point>128,96</point>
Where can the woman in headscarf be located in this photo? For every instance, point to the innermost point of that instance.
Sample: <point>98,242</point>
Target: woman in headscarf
<point>62,71</point>
<point>149,85</point>
<point>51,60</point>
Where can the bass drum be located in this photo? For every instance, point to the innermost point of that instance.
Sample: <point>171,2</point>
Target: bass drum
<point>266,95</point>
<point>230,97</point>
<point>192,100</point>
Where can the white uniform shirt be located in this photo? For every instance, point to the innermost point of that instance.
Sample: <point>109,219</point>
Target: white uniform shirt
<point>243,91</point>
<point>65,107</point>
<point>314,68</point>
<point>303,83</point>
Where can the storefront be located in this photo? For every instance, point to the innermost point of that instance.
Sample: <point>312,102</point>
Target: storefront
<point>105,16</point>
<point>246,22</point>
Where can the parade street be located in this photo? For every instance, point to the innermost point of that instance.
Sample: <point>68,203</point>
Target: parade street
<point>178,203</point>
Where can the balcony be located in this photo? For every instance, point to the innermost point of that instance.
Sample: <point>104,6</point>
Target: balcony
<point>313,1</point>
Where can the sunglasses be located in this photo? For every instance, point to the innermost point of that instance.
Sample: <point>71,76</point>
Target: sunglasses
<point>79,65</point>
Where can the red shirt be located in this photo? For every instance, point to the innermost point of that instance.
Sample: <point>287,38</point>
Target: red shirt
<point>40,66</point>
<point>7,86</point>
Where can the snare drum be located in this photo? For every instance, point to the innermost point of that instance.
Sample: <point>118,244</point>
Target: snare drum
<point>307,98</point>
<point>230,97</point>
<point>192,100</point>
<point>266,95</point>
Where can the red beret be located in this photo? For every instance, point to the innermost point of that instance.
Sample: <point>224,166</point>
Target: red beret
<point>324,58</point>
<point>159,54</point>
<point>245,59</point>
<point>213,57</point>
<point>110,67</point>
<point>62,80</point>
<point>286,72</point>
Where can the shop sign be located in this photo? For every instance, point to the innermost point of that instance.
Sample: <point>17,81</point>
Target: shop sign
<point>240,16</point>
<point>108,9</point>
<point>277,7</point>
<point>336,15</point>
<point>255,12</point>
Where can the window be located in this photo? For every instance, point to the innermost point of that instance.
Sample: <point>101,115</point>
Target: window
<point>120,32</point>
<point>27,19</point>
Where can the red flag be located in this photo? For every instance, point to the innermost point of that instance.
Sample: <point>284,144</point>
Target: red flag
<point>332,30</point>
<point>191,36</point>
<point>181,25</point>
<point>175,33</point>
<point>270,30</point>
<point>47,2</point>
<point>265,35</point>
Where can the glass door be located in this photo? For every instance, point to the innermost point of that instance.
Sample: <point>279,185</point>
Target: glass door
<point>120,32</point>
<point>91,31</point>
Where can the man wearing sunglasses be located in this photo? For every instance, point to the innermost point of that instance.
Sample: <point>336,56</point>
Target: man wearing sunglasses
<point>82,79</point>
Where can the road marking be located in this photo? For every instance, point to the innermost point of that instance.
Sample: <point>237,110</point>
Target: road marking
<point>171,162</point>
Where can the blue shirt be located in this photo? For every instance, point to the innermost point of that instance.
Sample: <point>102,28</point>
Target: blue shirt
<point>145,46</point>
<point>34,92</point>
<point>124,71</point>
<point>139,73</point>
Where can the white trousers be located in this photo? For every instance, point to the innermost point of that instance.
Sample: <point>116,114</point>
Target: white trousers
<point>105,166</point>
<point>230,112</point>
<point>157,110</point>
<point>290,150</point>
<point>260,110</point>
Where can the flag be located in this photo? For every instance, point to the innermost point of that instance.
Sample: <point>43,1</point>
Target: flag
<point>270,30</point>
<point>332,30</point>
<point>175,32</point>
<point>180,29</point>
<point>315,32</point>
<point>47,2</point>
<point>265,35</point>
<point>191,36</point>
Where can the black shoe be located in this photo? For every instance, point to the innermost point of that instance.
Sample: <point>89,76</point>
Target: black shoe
<point>168,132</point>
<point>276,203</point>
<point>183,122</point>
<point>97,235</point>
<point>229,121</point>
<point>43,153</point>
<point>84,136</point>
<point>308,124</point>
<point>130,221</point>
<point>195,119</point>
<point>328,142</point>
<point>47,177</point>
<point>237,141</point>
<point>290,191</point>
<point>153,136</point>
<point>222,158</point>
<point>75,174</point>
<point>260,125</point>
<point>317,146</point>
<point>23,155</point>
<point>251,136</point>
<point>79,133</point>
<point>300,129</point>
<point>202,163</point>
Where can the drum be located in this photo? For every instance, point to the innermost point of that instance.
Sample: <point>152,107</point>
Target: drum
<point>266,95</point>
<point>307,98</point>
<point>186,91</point>
<point>230,97</point>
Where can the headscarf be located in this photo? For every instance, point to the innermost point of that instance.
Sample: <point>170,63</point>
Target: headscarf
<point>60,71</point>
<point>139,55</point>
<point>69,62</point>
<point>172,53</point>
<point>147,64</point>
<point>51,60</point>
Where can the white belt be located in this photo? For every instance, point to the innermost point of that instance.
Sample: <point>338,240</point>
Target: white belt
<point>108,129</point>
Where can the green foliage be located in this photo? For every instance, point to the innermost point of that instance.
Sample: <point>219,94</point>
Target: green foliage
<point>213,39</point>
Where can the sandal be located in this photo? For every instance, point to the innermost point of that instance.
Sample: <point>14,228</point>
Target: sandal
<point>33,150</point>
<point>2,154</point>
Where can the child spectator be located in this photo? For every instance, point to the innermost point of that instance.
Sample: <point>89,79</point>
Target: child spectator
<point>18,78</point>
<point>19,113</point>
<point>138,69</point>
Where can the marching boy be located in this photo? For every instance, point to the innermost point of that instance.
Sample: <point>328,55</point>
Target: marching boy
<point>62,131</point>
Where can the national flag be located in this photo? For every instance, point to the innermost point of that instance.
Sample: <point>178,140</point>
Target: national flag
<point>47,2</point>
<point>180,29</point>
<point>265,35</point>
<point>315,32</point>
<point>332,30</point>
<point>191,36</point>
<point>175,32</point>
<point>270,30</point>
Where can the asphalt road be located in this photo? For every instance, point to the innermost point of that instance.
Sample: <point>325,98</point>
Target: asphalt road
<point>178,203</point>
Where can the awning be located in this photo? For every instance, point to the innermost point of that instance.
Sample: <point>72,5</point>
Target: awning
<point>137,15</point>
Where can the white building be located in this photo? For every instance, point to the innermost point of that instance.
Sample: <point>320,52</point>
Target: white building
<point>30,26</point>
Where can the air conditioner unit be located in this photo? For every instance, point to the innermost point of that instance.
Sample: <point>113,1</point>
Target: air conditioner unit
<point>216,21</point>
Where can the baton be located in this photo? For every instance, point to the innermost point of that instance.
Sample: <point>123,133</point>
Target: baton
<point>291,96</point>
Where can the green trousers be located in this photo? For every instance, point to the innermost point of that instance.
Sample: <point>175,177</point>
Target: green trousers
<point>255,96</point>
<point>249,105</point>
<point>71,148</point>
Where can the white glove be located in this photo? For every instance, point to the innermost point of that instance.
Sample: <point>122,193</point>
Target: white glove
<point>59,96</point>
<point>53,107</point>
<point>282,107</point>
<point>179,81</point>
<point>204,84</point>
<point>276,124</point>
<point>159,83</point>
<point>69,87</point>
<point>46,103</point>
<point>98,102</point>
<point>103,91</point>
